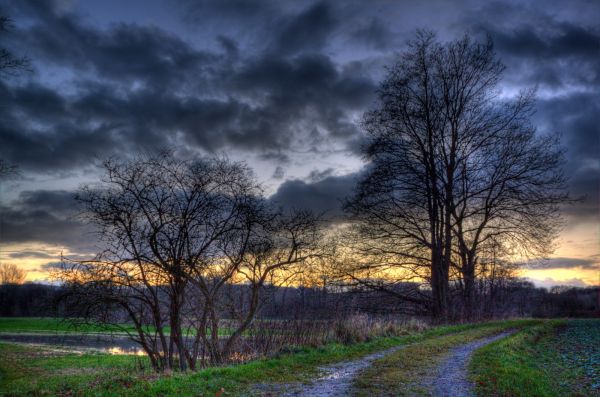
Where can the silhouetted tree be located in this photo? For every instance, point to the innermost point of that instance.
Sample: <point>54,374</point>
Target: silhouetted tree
<point>453,166</point>
<point>12,274</point>
<point>176,234</point>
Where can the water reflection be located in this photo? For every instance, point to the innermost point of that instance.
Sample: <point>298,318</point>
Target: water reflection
<point>119,350</point>
<point>105,343</point>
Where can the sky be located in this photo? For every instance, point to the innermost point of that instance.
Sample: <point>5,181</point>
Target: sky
<point>281,85</point>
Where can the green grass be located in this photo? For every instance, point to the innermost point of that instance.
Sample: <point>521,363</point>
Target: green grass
<point>37,371</point>
<point>557,358</point>
<point>405,373</point>
<point>52,325</point>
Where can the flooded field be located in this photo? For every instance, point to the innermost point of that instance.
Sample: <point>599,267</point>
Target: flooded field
<point>105,343</point>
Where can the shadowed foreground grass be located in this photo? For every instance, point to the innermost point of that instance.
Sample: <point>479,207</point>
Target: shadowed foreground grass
<point>556,358</point>
<point>40,371</point>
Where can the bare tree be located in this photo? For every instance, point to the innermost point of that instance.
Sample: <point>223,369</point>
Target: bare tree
<point>10,64</point>
<point>452,166</point>
<point>12,274</point>
<point>176,234</point>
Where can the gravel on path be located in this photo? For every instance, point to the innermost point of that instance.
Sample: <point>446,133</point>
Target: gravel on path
<point>451,378</point>
<point>336,381</point>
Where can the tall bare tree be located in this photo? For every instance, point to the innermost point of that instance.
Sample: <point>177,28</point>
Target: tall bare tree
<point>452,166</point>
<point>176,235</point>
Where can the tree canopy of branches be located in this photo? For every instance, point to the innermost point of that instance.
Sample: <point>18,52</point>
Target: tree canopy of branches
<point>11,274</point>
<point>9,62</point>
<point>457,173</point>
<point>176,235</point>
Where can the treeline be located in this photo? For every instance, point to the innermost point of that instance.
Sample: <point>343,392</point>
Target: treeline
<point>515,299</point>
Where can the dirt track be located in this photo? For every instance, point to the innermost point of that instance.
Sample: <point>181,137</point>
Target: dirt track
<point>451,378</point>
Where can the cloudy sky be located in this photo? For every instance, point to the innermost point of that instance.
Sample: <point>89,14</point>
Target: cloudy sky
<point>281,85</point>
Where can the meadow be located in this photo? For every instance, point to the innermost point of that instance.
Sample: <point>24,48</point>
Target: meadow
<point>51,325</point>
<point>541,358</point>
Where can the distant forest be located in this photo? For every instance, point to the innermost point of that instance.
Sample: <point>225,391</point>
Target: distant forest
<point>516,299</point>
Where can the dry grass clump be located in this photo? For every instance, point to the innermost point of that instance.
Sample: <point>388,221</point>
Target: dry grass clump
<point>270,337</point>
<point>361,328</point>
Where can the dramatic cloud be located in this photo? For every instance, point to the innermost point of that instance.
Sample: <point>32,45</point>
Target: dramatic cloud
<point>323,194</point>
<point>48,217</point>
<point>549,282</point>
<point>30,254</point>
<point>282,85</point>
<point>565,263</point>
<point>140,88</point>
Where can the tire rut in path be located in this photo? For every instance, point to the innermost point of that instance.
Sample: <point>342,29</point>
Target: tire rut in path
<point>451,378</point>
<point>338,378</point>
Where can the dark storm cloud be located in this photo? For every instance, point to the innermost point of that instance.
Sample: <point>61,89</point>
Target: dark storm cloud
<point>323,194</point>
<point>138,88</point>
<point>305,92</point>
<point>374,33</point>
<point>557,49</point>
<point>42,130</point>
<point>567,40</point>
<point>309,30</point>
<point>30,254</point>
<point>565,263</point>
<point>44,216</point>
<point>553,46</point>
<point>544,57</point>
<point>574,116</point>
<point>197,11</point>
<point>123,51</point>
<point>268,78</point>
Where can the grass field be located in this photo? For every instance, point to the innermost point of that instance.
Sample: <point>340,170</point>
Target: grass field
<point>405,372</point>
<point>539,352</point>
<point>59,326</point>
<point>28,370</point>
<point>556,358</point>
<point>52,325</point>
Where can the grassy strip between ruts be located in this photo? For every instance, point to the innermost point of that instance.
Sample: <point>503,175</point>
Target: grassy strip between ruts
<point>38,371</point>
<point>557,358</point>
<point>410,371</point>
